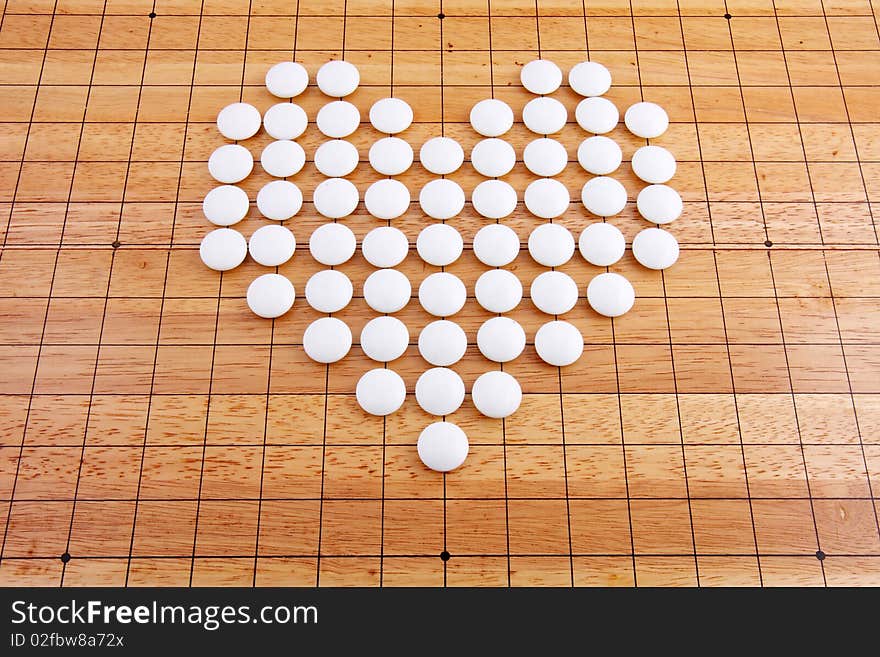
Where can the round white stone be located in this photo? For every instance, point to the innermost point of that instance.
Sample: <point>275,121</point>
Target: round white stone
<point>494,199</point>
<point>439,391</point>
<point>332,244</point>
<point>230,163</point>
<point>225,205</point>
<point>442,294</point>
<point>279,200</point>
<point>498,290</point>
<point>544,115</point>
<point>327,340</point>
<point>559,343</point>
<point>223,249</point>
<point>239,121</point>
<point>599,155</point>
<point>597,115</point>
<point>328,291</point>
<point>655,248</point>
<point>270,295</point>
<point>603,196</point>
<point>541,76</point>
<point>441,199</point>
<point>491,117</point>
<point>546,198</point>
<point>336,158</point>
<point>338,78</point>
<point>283,158</point>
<point>589,79</point>
<point>386,199</point>
<point>601,244</point>
<point>335,198</point>
<point>439,244</point>
<point>442,446</point>
<point>442,343</point>
<point>554,293</point>
<point>493,158</point>
<point>391,156</point>
<point>501,339</point>
<point>272,245</point>
<point>659,204</point>
<point>610,294</point>
<point>338,119</point>
<point>287,79</point>
<point>285,121</point>
<point>496,245</point>
<point>496,394</point>
<point>384,339</point>
<point>545,157</point>
<point>391,115</point>
<point>385,247</point>
<point>551,245</point>
<point>646,120</point>
<point>653,164</point>
<point>441,155</point>
<point>387,290</point>
<point>380,391</point>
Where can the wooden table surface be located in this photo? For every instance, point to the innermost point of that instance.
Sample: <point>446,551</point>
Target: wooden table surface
<point>724,432</point>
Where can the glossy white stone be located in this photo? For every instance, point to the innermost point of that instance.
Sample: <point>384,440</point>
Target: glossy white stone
<point>385,247</point>
<point>493,157</point>
<point>603,196</point>
<point>554,292</point>
<point>239,121</point>
<point>223,249</point>
<point>391,156</point>
<point>282,158</point>
<point>501,339</point>
<point>441,199</point>
<point>491,117</point>
<point>655,248</point>
<point>589,79</point>
<point>335,198</point>
<point>441,155</point>
<point>338,78</point>
<point>496,245</point>
<point>336,158</point>
<point>231,163</point>
<point>270,295</point>
<point>541,76</point>
<point>494,199</point>
<point>544,115</point>
<point>279,200</point>
<point>545,157</point>
<point>384,339</point>
<point>602,244</point>
<point>329,291</point>
<point>496,394</point>
<point>439,244</point>
<point>442,446</point>
<point>597,115</point>
<point>285,121</point>
<point>653,164</point>
<point>391,115</point>
<point>498,290</point>
<point>559,343</point>
<point>338,119</point>
<point>546,198</point>
<point>386,199</point>
<point>442,343</point>
<point>610,294</point>
<point>287,79</point>
<point>442,294</point>
<point>646,120</point>
<point>332,244</point>
<point>659,204</point>
<point>551,245</point>
<point>387,290</point>
<point>225,205</point>
<point>439,391</point>
<point>599,155</point>
<point>327,340</point>
<point>272,245</point>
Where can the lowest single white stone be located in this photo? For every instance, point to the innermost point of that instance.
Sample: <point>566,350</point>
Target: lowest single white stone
<point>496,394</point>
<point>559,343</point>
<point>610,294</point>
<point>655,248</point>
<point>442,446</point>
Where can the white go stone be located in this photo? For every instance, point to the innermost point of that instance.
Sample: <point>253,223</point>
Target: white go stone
<point>441,155</point>
<point>239,121</point>
<point>332,244</point>
<point>496,245</point>
<point>384,339</point>
<point>589,79</point>
<point>494,199</point>
<point>541,76</point>
<point>559,343</point>
<point>545,157</point>
<point>338,78</point>
<point>655,248</point>
<point>272,245</point>
<point>601,244</point>
<point>441,199</point>
<point>285,121</point>
<point>270,295</point>
<point>653,164</point>
<point>442,446</point>
<point>546,198</point>
<point>496,394</point>
<point>544,115</point>
<point>391,156</point>
<point>329,291</point>
<point>501,339</point>
<point>493,157</point>
<point>498,290</point>
<point>603,196</point>
<point>597,115</point>
<point>287,79</point>
<point>440,391</point>
<point>336,158</point>
<point>554,293</point>
<point>385,247</point>
<point>442,294</point>
<point>335,198</point>
<point>659,204</point>
<point>646,120</point>
<point>338,119</point>
<point>223,249</point>
<point>610,294</point>
<point>386,199</point>
<point>599,155</point>
<point>391,115</point>
<point>231,163</point>
<point>387,290</point>
<point>380,391</point>
<point>491,117</point>
<point>327,340</point>
<point>279,200</point>
<point>225,205</point>
<point>439,244</point>
<point>283,158</point>
<point>551,245</point>
<point>442,343</point>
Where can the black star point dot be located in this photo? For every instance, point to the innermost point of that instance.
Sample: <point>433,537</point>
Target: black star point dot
<point>65,557</point>
<point>444,556</point>
<point>116,244</point>
<point>820,555</point>
<point>441,15</point>
<point>728,16</point>
<point>768,243</point>
<point>152,14</point>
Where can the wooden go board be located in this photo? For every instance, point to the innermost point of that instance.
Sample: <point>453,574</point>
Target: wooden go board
<point>724,432</point>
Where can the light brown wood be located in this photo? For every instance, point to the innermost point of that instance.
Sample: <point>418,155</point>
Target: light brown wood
<point>724,432</point>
